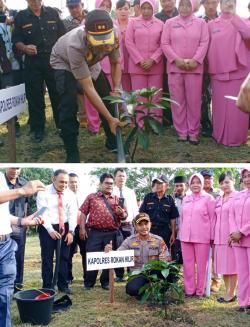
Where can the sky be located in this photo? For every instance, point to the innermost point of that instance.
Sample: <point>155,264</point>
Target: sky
<point>20,4</point>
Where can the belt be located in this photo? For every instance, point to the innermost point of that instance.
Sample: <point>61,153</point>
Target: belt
<point>102,230</point>
<point>126,224</point>
<point>4,238</point>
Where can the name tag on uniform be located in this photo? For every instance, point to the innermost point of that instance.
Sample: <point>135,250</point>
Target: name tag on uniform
<point>27,25</point>
<point>51,21</point>
<point>150,203</point>
<point>177,26</point>
<point>166,205</point>
<point>216,31</point>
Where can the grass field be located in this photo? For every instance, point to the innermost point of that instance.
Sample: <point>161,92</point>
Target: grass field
<point>92,309</point>
<point>163,149</point>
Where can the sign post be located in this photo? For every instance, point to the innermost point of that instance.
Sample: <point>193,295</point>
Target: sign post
<point>12,103</point>
<point>110,260</point>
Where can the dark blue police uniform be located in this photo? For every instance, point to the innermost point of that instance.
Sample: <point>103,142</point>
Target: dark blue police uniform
<point>160,211</point>
<point>42,31</point>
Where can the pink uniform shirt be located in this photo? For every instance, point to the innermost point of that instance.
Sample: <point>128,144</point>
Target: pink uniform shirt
<point>185,38</point>
<point>222,230</point>
<point>143,41</point>
<point>239,218</point>
<point>197,217</point>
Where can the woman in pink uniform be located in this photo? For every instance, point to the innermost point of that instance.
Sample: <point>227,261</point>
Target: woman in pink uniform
<point>240,239</point>
<point>122,13</point>
<point>143,42</point>
<point>185,43</point>
<point>196,233</point>
<point>224,258</point>
<point>228,60</point>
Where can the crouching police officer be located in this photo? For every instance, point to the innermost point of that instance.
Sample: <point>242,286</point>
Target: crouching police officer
<point>37,29</point>
<point>75,58</point>
<point>146,247</point>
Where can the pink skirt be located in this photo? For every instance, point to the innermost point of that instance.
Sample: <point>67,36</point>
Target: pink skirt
<point>224,260</point>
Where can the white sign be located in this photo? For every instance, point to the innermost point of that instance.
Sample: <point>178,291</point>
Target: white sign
<point>12,102</point>
<point>112,259</point>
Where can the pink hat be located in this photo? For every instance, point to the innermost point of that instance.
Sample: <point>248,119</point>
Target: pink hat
<point>243,170</point>
<point>199,176</point>
<point>99,2</point>
<point>151,2</point>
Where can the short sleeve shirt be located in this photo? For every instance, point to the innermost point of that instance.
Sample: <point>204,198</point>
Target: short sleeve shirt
<point>5,224</point>
<point>71,53</point>
<point>160,211</point>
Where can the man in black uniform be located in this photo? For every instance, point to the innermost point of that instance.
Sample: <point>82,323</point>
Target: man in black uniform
<point>168,11</point>
<point>18,207</point>
<point>162,211</point>
<point>210,13</point>
<point>37,29</point>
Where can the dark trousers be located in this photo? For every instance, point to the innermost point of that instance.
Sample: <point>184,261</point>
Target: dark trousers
<point>48,246</point>
<point>7,277</point>
<point>176,252</point>
<point>19,235</point>
<point>38,71</point>
<point>67,88</point>
<point>73,250</point>
<point>120,271</point>
<point>206,101</point>
<point>96,241</point>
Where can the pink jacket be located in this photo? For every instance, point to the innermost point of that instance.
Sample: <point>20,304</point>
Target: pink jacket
<point>239,217</point>
<point>221,221</point>
<point>185,38</point>
<point>123,49</point>
<point>227,50</point>
<point>197,215</point>
<point>143,39</point>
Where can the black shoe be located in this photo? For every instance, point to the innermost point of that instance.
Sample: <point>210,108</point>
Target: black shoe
<point>119,280</point>
<point>38,136</point>
<point>105,287</point>
<point>1,143</point>
<point>111,147</point>
<point>86,288</point>
<point>222,299</point>
<point>73,157</point>
<point>65,290</point>
<point>194,142</point>
<point>243,309</point>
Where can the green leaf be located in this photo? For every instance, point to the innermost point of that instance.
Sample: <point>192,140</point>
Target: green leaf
<point>170,100</point>
<point>165,273</point>
<point>143,139</point>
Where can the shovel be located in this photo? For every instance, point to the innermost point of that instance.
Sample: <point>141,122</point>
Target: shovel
<point>120,150</point>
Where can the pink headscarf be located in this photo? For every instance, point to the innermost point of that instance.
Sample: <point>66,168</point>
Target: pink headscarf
<point>199,176</point>
<point>194,4</point>
<point>243,170</point>
<point>99,2</point>
<point>151,2</point>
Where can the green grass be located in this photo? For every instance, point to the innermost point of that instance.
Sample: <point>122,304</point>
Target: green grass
<point>92,309</point>
<point>163,149</point>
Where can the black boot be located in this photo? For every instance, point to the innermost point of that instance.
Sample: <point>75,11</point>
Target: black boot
<point>72,152</point>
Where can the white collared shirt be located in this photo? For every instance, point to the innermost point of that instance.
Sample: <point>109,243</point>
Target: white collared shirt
<point>130,201</point>
<point>49,199</point>
<point>5,216</point>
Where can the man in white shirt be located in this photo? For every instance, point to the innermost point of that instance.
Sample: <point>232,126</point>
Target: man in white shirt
<point>59,226</point>
<point>7,245</point>
<point>129,202</point>
<point>74,187</point>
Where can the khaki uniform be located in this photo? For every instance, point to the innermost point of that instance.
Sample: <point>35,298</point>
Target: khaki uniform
<point>144,250</point>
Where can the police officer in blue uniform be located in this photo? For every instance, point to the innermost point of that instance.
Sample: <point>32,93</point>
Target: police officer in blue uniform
<point>37,29</point>
<point>162,211</point>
